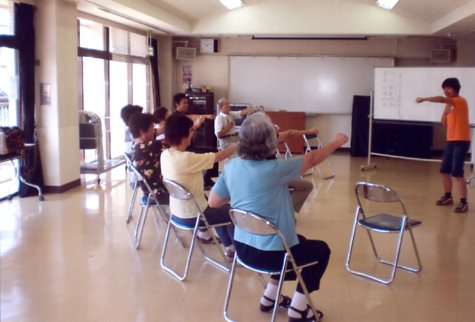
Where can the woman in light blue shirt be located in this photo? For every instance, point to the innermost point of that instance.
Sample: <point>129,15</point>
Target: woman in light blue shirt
<point>257,182</point>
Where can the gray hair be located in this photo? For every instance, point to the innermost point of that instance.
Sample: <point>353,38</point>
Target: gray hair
<point>257,137</point>
<point>220,104</point>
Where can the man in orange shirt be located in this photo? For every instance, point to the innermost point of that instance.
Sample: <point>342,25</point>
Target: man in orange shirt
<point>455,118</point>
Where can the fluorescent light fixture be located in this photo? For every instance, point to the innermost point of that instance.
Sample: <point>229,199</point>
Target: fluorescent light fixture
<point>387,4</point>
<point>232,4</point>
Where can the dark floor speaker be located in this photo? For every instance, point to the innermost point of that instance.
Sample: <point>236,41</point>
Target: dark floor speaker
<point>360,126</point>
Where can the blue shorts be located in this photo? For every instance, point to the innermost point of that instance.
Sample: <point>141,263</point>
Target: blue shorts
<point>453,158</point>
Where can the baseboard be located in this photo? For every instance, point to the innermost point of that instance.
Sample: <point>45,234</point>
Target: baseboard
<point>63,188</point>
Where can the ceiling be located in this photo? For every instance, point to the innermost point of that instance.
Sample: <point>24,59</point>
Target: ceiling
<point>291,18</point>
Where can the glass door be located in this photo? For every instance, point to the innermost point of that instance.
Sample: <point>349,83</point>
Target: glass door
<point>94,96</point>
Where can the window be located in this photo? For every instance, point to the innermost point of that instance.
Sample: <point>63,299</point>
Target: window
<point>6,17</point>
<point>8,87</point>
<point>9,110</point>
<point>113,73</point>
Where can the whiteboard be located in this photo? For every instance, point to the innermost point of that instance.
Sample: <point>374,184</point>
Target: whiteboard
<point>396,90</point>
<point>305,84</point>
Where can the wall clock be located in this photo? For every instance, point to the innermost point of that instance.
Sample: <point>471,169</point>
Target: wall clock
<point>208,45</point>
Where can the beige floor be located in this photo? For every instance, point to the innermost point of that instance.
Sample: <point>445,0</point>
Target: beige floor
<point>71,258</point>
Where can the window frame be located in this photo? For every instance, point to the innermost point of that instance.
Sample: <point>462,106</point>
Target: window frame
<point>108,56</point>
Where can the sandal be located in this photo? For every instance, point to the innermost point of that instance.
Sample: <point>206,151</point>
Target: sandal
<point>284,304</point>
<point>304,315</point>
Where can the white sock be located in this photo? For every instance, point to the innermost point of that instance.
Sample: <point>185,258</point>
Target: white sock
<point>270,292</point>
<point>205,234</point>
<point>299,301</point>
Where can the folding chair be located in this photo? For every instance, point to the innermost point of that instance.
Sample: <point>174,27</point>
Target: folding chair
<point>313,138</point>
<point>257,225</point>
<point>177,191</point>
<point>373,221</point>
<point>135,186</point>
<point>286,155</point>
<point>148,200</point>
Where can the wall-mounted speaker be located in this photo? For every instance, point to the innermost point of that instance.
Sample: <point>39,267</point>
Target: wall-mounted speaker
<point>185,53</point>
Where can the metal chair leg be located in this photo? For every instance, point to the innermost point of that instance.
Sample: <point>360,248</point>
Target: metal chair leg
<point>132,202</point>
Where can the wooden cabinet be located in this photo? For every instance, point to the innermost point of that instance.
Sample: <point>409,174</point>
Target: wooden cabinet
<point>287,121</point>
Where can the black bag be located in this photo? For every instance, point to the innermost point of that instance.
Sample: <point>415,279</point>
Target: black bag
<point>14,138</point>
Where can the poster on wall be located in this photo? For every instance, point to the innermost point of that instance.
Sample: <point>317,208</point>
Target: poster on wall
<point>187,74</point>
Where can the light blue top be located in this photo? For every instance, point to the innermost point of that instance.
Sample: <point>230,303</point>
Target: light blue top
<point>261,187</point>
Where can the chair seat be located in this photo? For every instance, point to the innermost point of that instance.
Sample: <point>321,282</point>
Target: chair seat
<point>144,200</point>
<point>182,225</point>
<point>258,269</point>
<point>386,222</point>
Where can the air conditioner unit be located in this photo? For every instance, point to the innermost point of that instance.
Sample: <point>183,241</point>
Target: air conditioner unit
<point>185,53</point>
<point>441,56</point>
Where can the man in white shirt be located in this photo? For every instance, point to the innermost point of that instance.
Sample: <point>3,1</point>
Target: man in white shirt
<point>224,126</point>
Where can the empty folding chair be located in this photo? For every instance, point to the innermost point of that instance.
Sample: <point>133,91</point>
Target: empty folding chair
<point>314,138</point>
<point>286,155</point>
<point>257,225</point>
<point>177,191</point>
<point>369,217</point>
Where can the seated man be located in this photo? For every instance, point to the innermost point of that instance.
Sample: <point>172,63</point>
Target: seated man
<point>224,126</point>
<point>185,168</point>
<point>146,154</point>
<point>256,182</point>
<point>181,103</point>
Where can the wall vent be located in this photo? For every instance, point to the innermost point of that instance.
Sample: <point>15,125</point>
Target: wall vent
<point>185,53</point>
<point>441,56</point>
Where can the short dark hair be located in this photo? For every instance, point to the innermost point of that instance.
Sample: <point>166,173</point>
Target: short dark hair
<point>177,98</point>
<point>452,83</point>
<point>128,110</point>
<point>160,114</point>
<point>140,123</point>
<point>177,127</point>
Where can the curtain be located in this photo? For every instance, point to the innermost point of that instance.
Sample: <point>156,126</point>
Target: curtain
<point>155,77</point>
<point>25,39</point>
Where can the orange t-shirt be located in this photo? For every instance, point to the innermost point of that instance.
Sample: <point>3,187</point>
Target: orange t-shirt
<point>458,128</point>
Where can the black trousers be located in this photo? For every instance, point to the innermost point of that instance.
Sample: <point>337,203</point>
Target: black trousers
<point>305,251</point>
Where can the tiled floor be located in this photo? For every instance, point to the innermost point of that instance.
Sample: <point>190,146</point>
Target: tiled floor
<point>71,258</point>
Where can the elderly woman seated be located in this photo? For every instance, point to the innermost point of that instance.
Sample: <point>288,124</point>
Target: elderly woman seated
<point>186,168</point>
<point>146,153</point>
<point>257,182</point>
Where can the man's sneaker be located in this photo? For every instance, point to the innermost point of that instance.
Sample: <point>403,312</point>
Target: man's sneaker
<point>444,200</point>
<point>461,207</point>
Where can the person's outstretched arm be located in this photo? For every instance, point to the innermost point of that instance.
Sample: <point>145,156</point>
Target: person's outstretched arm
<point>448,101</point>
<point>315,157</point>
<point>284,135</point>
<point>225,153</point>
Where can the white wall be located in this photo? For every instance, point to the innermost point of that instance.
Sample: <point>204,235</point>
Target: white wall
<point>213,69</point>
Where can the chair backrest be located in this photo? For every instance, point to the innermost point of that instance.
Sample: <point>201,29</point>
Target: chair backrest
<point>176,190</point>
<point>255,224</point>
<point>138,176</point>
<point>310,136</point>
<point>378,193</point>
<point>128,159</point>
